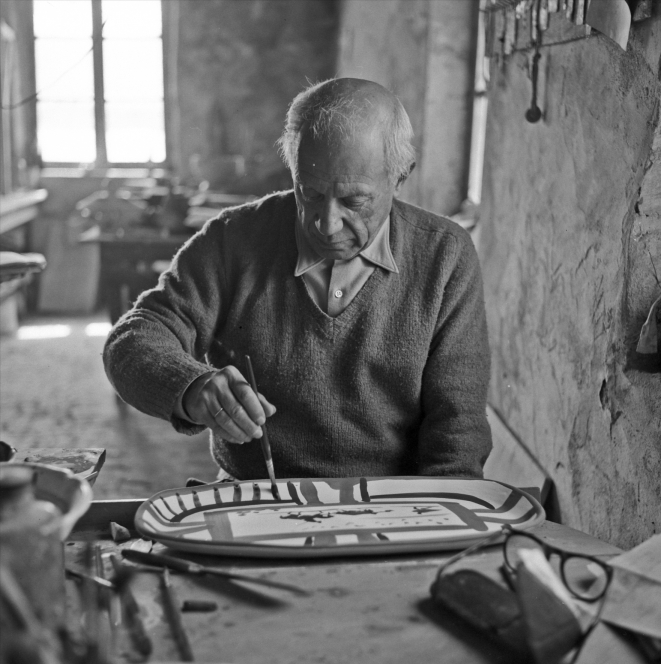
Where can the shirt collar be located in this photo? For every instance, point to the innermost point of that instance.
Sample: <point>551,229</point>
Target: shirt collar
<point>378,251</point>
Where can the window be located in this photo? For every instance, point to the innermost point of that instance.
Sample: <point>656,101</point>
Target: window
<point>99,80</point>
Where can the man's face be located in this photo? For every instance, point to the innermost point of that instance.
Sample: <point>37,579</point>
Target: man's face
<point>343,193</point>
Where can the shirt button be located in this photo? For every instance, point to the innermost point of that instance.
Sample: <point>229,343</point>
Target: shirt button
<point>338,293</point>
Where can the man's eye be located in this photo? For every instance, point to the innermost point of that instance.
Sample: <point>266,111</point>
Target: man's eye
<point>311,194</point>
<point>354,201</point>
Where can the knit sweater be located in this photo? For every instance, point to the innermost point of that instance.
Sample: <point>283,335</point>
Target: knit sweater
<point>394,385</point>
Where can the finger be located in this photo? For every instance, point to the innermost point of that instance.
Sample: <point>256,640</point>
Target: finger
<point>227,389</point>
<point>269,408</point>
<point>251,413</point>
<point>243,410</point>
<point>227,437</point>
<point>224,419</point>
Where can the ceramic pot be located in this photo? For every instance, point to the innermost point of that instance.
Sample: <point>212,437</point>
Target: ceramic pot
<point>39,506</point>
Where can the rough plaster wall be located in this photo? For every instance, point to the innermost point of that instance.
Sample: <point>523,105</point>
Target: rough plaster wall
<point>448,114</point>
<point>388,44</point>
<point>422,50</point>
<point>571,258</point>
<point>240,64</point>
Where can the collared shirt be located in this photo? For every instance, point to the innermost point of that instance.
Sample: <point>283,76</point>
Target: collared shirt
<point>333,284</point>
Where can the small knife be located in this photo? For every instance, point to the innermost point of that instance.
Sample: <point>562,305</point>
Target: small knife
<point>163,560</point>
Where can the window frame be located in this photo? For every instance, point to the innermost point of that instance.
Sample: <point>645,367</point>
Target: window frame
<point>101,161</point>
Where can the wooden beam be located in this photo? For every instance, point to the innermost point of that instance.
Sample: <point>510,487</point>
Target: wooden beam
<point>99,93</point>
<point>19,208</point>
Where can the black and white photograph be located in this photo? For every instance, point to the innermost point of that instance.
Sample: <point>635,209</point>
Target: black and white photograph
<point>330,331</point>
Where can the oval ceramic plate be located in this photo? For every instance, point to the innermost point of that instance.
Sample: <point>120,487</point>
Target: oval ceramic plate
<point>334,517</point>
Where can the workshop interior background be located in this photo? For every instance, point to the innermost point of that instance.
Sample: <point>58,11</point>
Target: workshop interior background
<point>565,212</point>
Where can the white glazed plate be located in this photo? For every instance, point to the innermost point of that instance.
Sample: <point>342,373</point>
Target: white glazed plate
<point>334,517</point>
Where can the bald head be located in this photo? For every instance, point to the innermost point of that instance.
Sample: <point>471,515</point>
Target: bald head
<point>344,109</point>
<point>352,102</point>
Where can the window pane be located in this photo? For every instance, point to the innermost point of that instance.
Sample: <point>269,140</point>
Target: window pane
<point>62,18</point>
<point>64,69</point>
<point>131,18</point>
<point>133,70</point>
<point>135,132</point>
<point>66,131</point>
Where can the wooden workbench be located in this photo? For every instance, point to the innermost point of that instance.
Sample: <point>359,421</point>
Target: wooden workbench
<point>369,609</point>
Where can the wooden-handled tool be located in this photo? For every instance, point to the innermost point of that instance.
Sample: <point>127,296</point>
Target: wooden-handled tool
<point>130,609</point>
<point>174,616</point>
<point>266,446</point>
<point>163,560</point>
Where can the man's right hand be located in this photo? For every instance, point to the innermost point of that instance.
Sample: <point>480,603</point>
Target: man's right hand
<point>226,404</point>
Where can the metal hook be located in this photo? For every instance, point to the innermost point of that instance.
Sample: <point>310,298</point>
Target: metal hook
<point>534,113</point>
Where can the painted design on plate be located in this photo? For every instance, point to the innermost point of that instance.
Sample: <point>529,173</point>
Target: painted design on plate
<point>406,513</point>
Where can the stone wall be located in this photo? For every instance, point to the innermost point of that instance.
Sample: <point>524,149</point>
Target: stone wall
<point>571,249</point>
<point>237,67</point>
<point>424,51</point>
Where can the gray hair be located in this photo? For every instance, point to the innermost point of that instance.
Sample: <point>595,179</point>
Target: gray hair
<point>325,112</point>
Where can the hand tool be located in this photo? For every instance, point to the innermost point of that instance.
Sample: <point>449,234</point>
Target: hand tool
<point>104,583</point>
<point>174,617</point>
<point>264,440</point>
<point>163,560</point>
<point>130,609</point>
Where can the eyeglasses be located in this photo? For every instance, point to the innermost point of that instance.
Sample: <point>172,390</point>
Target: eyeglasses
<point>586,577</point>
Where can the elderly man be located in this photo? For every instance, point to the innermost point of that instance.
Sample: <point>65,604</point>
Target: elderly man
<point>363,315</point>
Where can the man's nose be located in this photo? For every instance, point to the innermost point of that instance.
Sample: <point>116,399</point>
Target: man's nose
<point>330,218</point>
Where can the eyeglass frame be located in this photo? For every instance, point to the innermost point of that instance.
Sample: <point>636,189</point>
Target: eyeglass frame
<point>548,549</point>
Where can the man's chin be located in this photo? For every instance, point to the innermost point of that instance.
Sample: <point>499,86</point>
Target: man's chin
<point>341,251</point>
<point>338,254</point>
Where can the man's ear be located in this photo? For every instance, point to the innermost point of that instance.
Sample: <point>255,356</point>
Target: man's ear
<point>403,178</point>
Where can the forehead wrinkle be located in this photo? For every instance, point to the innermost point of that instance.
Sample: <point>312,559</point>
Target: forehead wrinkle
<point>346,180</point>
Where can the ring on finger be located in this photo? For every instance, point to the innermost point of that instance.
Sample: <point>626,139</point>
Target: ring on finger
<point>218,413</point>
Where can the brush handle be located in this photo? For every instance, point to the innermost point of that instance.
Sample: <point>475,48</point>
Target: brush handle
<point>174,616</point>
<point>163,560</point>
<point>266,446</point>
<point>131,611</point>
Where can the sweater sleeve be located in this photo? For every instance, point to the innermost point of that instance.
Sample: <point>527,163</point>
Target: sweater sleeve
<point>158,347</point>
<point>454,436</point>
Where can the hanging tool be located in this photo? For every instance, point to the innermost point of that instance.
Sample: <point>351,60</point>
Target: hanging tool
<point>534,113</point>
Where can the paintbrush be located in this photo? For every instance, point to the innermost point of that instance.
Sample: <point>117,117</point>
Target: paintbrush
<point>266,447</point>
<point>163,560</point>
<point>174,617</point>
<point>107,636</point>
<point>130,608</point>
<point>91,605</point>
<point>100,581</point>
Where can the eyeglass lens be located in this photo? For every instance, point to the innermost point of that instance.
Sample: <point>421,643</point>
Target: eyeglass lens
<point>515,544</point>
<point>583,577</point>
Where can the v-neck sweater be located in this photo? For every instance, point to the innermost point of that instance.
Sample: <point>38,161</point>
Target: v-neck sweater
<point>332,284</point>
<point>394,385</point>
